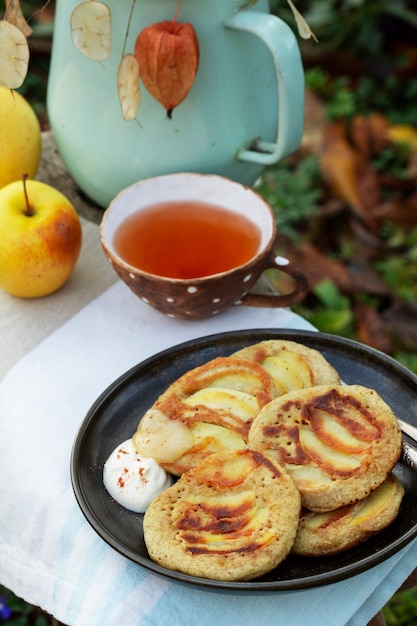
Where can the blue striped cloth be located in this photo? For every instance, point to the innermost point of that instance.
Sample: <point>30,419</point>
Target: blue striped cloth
<point>52,557</point>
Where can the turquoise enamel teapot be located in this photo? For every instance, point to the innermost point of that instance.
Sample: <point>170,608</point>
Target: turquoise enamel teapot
<point>245,109</point>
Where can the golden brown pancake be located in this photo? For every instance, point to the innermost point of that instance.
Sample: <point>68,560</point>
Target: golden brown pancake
<point>329,533</point>
<point>208,409</point>
<point>233,517</point>
<point>291,364</point>
<point>338,442</point>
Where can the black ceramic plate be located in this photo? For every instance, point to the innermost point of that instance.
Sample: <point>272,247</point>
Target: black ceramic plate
<point>114,417</point>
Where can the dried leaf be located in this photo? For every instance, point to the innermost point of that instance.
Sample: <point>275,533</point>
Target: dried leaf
<point>339,164</point>
<point>317,266</point>
<point>168,56</point>
<point>365,279</point>
<point>371,329</point>
<point>412,165</point>
<point>368,187</point>
<point>128,86</point>
<point>406,135</point>
<point>314,122</point>
<point>15,16</point>
<point>14,55</point>
<point>400,318</point>
<point>303,28</point>
<point>91,29</point>
<point>401,212</point>
<point>349,176</point>
<point>403,134</point>
<point>369,134</point>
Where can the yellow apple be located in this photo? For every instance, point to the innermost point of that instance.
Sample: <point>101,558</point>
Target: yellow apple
<point>40,239</point>
<point>20,138</point>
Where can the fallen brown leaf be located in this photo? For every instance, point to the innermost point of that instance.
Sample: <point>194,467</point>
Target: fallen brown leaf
<point>369,134</point>
<point>318,267</point>
<point>347,173</point>
<point>371,329</point>
<point>403,134</point>
<point>402,212</point>
<point>314,123</point>
<point>400,320</point>
<point>364,279</point>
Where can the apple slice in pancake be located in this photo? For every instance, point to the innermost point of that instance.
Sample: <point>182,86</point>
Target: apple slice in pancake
<point>232,517</point>
<point>337,442</point>
<point>335,531</point>
<point>208,409</point>
<point>291,364</point>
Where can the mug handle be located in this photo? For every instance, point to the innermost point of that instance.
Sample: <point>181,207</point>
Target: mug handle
<point>282,264</point>
<point>281,42</point>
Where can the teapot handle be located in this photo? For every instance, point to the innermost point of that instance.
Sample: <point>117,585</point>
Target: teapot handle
<point>281,42</point>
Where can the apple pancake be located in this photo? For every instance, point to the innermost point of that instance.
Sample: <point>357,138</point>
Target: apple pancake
<point>208,409</point>
<point>233,517</point>
<point>320,534</point>
<point>337,442</point>
<point>291,364</point>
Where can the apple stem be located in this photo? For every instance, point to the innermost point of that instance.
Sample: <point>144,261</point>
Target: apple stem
<point>29,210</point>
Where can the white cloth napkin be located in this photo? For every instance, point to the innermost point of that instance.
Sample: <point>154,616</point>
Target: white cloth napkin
<point>24,323</point>
<point>48,552</point>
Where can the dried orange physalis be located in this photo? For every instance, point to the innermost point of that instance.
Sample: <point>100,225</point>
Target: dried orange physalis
<point>168,56</point>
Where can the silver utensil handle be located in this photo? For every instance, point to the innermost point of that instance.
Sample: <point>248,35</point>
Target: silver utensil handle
<point>408,429</point>
<point>409,455</point>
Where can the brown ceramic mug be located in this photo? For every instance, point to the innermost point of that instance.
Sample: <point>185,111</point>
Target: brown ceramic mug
<point>196,295</point>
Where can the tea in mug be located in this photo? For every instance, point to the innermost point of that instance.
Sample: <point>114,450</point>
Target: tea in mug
<point>186,239</point>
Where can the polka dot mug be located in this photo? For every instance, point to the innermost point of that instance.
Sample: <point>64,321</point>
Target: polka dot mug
<point>199,296</point>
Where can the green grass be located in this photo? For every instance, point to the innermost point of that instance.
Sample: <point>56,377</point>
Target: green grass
<point>402,609</point>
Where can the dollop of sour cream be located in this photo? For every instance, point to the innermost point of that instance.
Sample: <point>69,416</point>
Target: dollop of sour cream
<point>132,479</point>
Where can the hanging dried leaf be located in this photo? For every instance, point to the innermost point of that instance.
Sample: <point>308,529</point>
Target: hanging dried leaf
<point>128,86</point>
<point>168,56</point>
<point>14,55</point>
<point>303,28</point>
<point>15,16</point>
<point>91,29</point>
